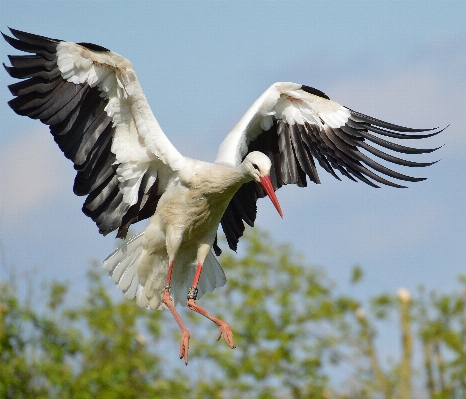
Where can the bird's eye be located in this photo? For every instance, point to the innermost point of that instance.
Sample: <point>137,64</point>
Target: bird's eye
<point>255,166</point>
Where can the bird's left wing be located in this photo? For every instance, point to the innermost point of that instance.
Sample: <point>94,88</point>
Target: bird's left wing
<point>98,115</point>
<point>295,126</point>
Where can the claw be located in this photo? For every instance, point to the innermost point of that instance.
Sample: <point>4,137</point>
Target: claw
<point>225,329</point>
<point>184,346</point>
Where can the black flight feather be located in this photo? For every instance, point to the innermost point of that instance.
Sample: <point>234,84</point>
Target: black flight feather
<point>80,126</point>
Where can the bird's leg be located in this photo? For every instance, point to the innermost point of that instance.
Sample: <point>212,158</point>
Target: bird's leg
<point>184,344</point>
<point>225,328</point>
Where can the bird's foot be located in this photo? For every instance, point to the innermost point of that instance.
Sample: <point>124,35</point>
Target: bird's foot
<point>184,346</point>
<point>225,329</point>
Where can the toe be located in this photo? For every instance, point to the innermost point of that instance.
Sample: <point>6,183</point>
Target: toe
<point>225,329</point>
<point>184,346</point>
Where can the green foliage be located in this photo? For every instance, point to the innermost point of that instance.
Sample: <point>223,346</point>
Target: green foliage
<point>93,350</point>
<point>296,337</point>
<point>357,274</point>
<point>282,313</point>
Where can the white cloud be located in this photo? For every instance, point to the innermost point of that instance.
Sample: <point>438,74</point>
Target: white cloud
<point>427,93</point>
<point>31,171</point>
<point>379,232</point>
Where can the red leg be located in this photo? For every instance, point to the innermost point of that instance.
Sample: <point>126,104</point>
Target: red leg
<point>184,344</point>
<point>225,328</point>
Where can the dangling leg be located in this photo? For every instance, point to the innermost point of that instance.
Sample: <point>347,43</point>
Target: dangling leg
<point>173,244</point>
<point>184,343</point>
<point>225,328</point>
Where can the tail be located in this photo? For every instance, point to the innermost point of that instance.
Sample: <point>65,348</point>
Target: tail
<point>122,266</point>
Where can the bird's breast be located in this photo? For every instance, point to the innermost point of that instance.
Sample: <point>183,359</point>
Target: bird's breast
<point>197,203</point>
<point>193,213</point>
<point>203,214</point>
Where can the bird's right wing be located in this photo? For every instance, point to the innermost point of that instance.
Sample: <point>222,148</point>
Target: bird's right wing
<point>99,117</point>
<point>298,127</point>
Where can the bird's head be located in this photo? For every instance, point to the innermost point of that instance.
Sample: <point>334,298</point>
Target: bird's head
<point>257,166</point>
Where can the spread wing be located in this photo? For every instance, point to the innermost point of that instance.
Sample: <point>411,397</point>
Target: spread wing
<point>99,117</point>
<point>298,127</point>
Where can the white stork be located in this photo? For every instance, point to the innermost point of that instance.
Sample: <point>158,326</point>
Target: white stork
<point>129,171</point>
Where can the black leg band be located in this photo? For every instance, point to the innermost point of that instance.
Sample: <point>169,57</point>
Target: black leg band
<point>192,293</point>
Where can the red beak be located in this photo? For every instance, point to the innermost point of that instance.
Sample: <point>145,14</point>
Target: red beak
<point>268,188</point>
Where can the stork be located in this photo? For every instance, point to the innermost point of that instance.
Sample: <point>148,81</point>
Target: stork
<point>129,171</point>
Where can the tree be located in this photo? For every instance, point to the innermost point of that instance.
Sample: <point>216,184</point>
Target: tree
<point>292,328</point>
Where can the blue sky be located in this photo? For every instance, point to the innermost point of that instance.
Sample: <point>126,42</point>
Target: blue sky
<point>202,64</point>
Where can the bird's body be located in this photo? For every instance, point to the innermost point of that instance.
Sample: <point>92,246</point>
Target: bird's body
<point>187,217</point>
<point>129,171</point>
<point>199,198</point>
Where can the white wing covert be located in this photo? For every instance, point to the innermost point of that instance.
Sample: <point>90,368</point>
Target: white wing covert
<point>296,125</point>
<point>98,115</point>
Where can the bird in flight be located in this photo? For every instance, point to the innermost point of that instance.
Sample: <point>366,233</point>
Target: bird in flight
<point>129,171</point>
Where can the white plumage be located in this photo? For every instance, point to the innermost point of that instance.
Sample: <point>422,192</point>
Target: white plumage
<point>122,266</point>
<point>129,171</point>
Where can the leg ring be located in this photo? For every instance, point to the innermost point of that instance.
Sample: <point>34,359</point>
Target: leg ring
<point>192,293</point>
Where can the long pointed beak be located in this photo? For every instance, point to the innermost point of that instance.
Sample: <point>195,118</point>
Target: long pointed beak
<point>268,188</point>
